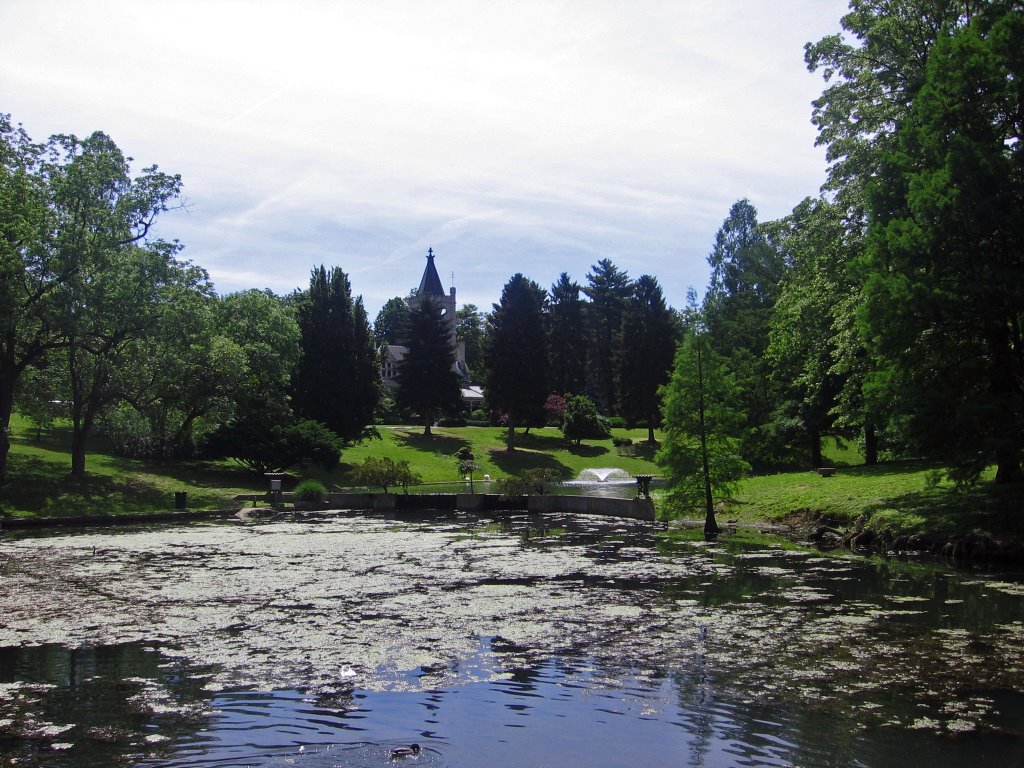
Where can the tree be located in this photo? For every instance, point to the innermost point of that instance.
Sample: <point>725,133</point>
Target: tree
<point>567,337</point>
<point>75,243</point>
<point>336,378</point>
<point>427,381</point>
<point>28,271</point>
<point>874,72</point>
<point>181,379</point>
<point>808,363</point>
<point>700,451</point>
<point>745,273</point>
<point>385,472</point>
<point>266,330</point>
<point>945,292</point>
<point>649,333</point>
<point>466,464</point>
<point>516,370</point>
<point>273,442</point>
<point>115,277</point>
<point>470,330</point>
<point>390,323</point>
<point>608,288</point>
<point>581,421</point>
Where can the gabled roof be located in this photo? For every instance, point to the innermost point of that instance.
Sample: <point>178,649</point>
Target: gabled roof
<point>430,285</point>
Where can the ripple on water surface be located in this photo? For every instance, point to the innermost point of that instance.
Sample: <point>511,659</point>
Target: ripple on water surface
<point>528,642</point>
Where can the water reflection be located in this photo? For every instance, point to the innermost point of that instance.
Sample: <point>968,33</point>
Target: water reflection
<point>567,711</point>
<point>520,641</point>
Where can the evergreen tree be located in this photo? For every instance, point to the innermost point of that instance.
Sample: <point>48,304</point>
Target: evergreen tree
<point>516,370</point>
<point>567,337</point>
<point>333,383</point>
<point>427,381</point>
<point>608,288</point>
<point>649,333</point>
<point>745,274</point>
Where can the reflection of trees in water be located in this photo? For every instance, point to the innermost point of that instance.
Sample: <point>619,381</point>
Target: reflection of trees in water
<point>113,697</point>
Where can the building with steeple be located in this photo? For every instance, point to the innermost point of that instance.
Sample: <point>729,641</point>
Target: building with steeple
<point>431,286</point>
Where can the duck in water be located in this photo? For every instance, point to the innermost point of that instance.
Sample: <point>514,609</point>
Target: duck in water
<point>411,751</point>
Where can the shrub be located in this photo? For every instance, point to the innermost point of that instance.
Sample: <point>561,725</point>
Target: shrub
<point>310,490</point>
<point>452,421</point>
<point>616,422</point>
<point>265,446</point>
<point>384,472</point>
<point>528,481</point>
<point>582,421</point>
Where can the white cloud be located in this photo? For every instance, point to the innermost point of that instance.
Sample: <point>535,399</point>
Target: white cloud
<point>525,136</point>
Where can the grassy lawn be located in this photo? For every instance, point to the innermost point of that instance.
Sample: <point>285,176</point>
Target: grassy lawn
<point>40,483</point>
<point>39,466</point>
<point>897,496</point>
<point>901,497</point>
<point>432,458</point>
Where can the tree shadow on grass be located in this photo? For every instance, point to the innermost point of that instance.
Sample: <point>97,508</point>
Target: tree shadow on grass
<point>588,451</point>
<point>515,462</point>
<point>437,443</point>
<point>44,488</point>
<point>954,511</point>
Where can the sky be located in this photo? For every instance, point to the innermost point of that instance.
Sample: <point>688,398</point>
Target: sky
<point>533,137</point>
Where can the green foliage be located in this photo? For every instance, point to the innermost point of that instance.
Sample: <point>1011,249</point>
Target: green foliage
<point>581,421</point>
<point>608,288</point>
<point>699,418</point>
<point>816,361</point>
<point>310,489</point>
<point>265,443</point>
<point>538,481</point>
<point>745,274</point>
<point>945,292</point>
<point>337,378</point>
<point>385,472</point>
<point>470,330</point>
<point>649,334</point>
<point>567,336</point>
<point>517,376</point>
<point>427,382</point>
<point>391,323</point>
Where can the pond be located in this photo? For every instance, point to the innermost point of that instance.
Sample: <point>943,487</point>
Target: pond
<point>334,640</point>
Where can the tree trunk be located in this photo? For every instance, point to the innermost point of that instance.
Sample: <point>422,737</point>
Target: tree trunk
<point>79,434</point>
<point>870,445</point>
<point>1008,468</point>
<point>650,431</point>
<point>816,458</point>
<point>6,407</point>
<point>428,418</point>
<point>510,442</point>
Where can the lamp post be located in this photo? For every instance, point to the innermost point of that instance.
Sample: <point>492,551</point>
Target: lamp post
<point>275,488</point>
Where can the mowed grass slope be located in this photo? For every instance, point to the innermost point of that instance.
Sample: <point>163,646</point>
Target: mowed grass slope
<point>897,496</point>
<point>40,484</point>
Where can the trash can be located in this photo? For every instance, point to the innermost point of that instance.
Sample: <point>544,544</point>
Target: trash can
<point>181,499</point>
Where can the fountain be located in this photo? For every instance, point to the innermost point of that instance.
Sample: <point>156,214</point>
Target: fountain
<point>603,475</point>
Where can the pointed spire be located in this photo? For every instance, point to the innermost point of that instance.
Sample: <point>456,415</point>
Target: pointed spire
<point>430,284</point>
